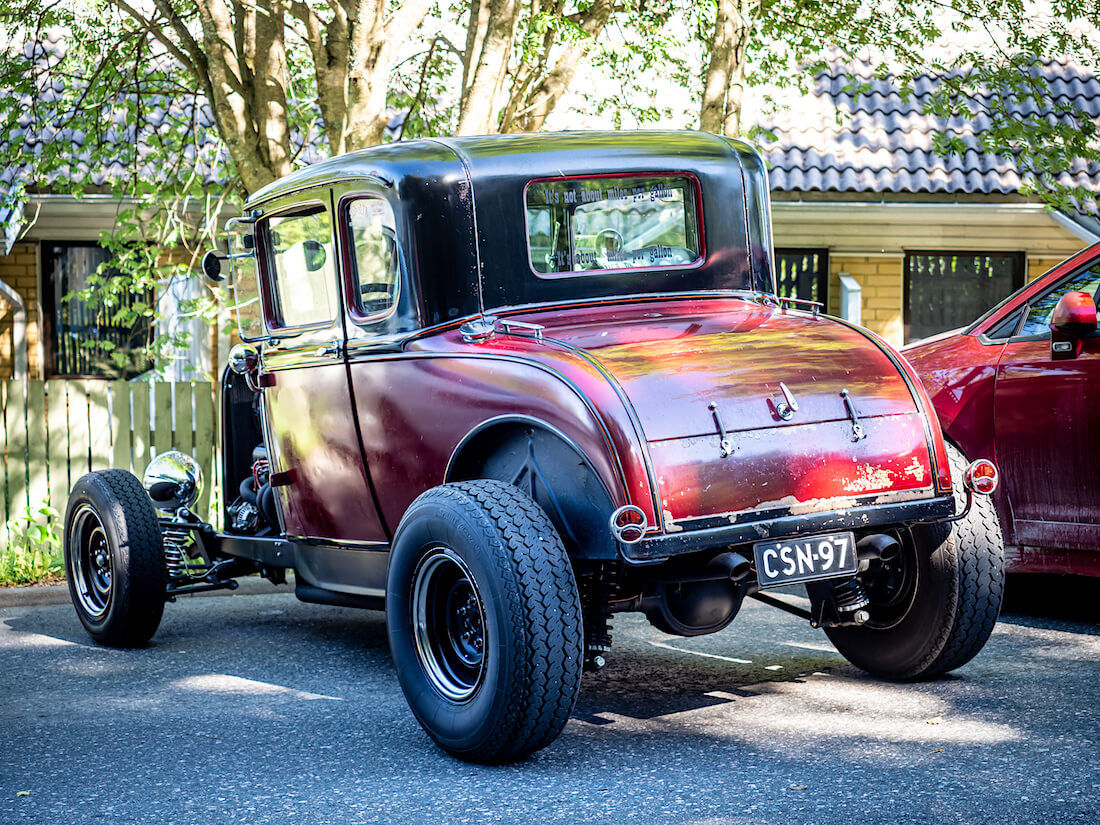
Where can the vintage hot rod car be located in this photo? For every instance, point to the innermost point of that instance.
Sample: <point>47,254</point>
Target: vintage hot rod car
<point>503,388</point>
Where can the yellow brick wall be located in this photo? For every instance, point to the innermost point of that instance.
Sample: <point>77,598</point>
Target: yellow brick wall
<point>19,270</point>
<point>881,279</point>
<point>1037,266</point>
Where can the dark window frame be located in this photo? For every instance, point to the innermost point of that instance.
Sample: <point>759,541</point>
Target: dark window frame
<point>268,279</point>
<point>1018,281</point>
<point>350,276</point>
<point>47,302</point>
<point>822,277</point>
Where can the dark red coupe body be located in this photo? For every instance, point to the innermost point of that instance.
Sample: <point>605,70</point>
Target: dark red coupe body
<point>1001,393</point>
<point>506,388</point>
<point>630,366</point>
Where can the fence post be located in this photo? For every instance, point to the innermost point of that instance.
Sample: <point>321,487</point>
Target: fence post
<point>38,491</point>
<point>79,461</point>
<point>99,425</point>
<point>141,427</point>
<point>5,511</point>
<point>204,443</point>
<point>162,418</point>
<point>120,425</point>
<point>57,453</point>
<point>15,424</point>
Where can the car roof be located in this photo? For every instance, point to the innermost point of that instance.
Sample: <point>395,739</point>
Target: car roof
<point>543,154</point>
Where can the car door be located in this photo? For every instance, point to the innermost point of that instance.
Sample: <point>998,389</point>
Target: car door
<point>317,466</point>
<point>1047,427</point>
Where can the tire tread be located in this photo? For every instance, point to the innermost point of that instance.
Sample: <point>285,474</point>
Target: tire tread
<point>545,608</point>
<point>138,593</point>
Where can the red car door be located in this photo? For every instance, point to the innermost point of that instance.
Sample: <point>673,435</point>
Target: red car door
<point>323,488</point>
<point>1047,428</point>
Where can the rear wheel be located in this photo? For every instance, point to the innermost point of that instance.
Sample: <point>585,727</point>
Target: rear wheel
<point>484,621</point>
<point>934,606</point>
<point>114,559</point>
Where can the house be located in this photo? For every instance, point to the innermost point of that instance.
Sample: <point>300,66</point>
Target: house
<point>864,205</point>
<point>867,219</point>
<point>54,338</point>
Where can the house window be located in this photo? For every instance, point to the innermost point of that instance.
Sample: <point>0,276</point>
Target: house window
<point>945,290</point>
<point>83,340</point>
<point>802,273</point>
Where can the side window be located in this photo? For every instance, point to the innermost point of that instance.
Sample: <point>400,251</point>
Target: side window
<point>1005,329</point>
<point>1042,308</point>
<point>372,231</point>
<point>301,266</point>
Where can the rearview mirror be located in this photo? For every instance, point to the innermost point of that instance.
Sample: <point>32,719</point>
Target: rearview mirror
<point>315,255</point>
<point>1074,317</point>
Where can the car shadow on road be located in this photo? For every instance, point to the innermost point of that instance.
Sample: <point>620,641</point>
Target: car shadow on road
<point>657,675</point>
<point>1030,599</point>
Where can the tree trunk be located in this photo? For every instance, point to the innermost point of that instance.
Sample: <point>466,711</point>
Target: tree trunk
<point>724,79</point>
<point>488,68</point>
<point>537,105</point>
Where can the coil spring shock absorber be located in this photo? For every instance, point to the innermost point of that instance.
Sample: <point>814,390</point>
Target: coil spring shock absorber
<point>850,597</point>
<point>598,587</point>
<point>176,542</point>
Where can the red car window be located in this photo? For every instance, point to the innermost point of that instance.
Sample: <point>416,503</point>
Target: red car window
<point>1042,307</point>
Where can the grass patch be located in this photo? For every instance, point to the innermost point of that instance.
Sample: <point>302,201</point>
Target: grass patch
<point>32,553</point>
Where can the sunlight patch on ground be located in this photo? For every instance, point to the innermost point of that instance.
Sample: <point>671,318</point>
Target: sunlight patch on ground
<point>11,639</point>
<point>842,708</point>
<point>701,653</point>
<point>224,683</point>
<point>821,647</point>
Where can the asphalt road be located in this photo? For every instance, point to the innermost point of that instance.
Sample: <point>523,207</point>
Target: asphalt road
<point>259,709</point>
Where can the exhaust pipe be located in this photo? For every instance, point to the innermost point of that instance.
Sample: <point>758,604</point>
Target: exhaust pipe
<point>877,546</point>
<point>728,566</point>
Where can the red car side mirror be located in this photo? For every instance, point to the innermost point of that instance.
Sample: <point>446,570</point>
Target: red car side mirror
<point>1074,317</point>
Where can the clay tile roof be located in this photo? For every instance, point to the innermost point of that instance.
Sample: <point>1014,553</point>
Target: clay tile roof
<point>884,144</point>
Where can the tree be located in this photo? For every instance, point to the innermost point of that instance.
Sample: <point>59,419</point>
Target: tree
<point>983,57</point>
<point>520,57</point>
<point>241,60</point>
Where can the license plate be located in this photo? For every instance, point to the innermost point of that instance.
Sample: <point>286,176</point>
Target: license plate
<point>805,558</point>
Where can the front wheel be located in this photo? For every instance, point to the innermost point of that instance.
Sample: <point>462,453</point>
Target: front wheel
<point>934,606</point>
<point>484,621</point>
<point>114,559</point>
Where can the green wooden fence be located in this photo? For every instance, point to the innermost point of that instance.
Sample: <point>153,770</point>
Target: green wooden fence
<point>52,432</point>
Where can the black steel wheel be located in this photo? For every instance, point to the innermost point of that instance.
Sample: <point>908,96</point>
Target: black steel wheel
<point>114,559</point>
<point>933,606</point>
<point>449,623</point>
<point>484,621</point>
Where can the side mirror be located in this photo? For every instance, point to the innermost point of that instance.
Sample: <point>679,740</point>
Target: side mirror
<point>212,266</point>
<point>1074,317</point>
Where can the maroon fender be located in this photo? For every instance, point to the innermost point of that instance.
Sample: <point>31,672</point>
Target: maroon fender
<point>653,369</point>
<point>396,394</point>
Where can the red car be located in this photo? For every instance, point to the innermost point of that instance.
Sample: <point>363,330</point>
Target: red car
<point>1021,386</point>
<point>504,388</point>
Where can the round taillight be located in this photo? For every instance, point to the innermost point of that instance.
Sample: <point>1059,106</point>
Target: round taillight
<point>628,523</point>
<point>981,477</point>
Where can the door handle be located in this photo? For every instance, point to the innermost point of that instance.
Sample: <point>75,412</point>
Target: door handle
<point>333,350</point>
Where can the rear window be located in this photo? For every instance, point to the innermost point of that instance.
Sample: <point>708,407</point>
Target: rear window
<point>579,225</point>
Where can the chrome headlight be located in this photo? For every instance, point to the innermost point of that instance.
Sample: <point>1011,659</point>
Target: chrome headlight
<point>173,480</point>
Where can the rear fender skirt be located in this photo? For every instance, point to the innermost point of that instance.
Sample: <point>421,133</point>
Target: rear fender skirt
<point>549,466</point>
